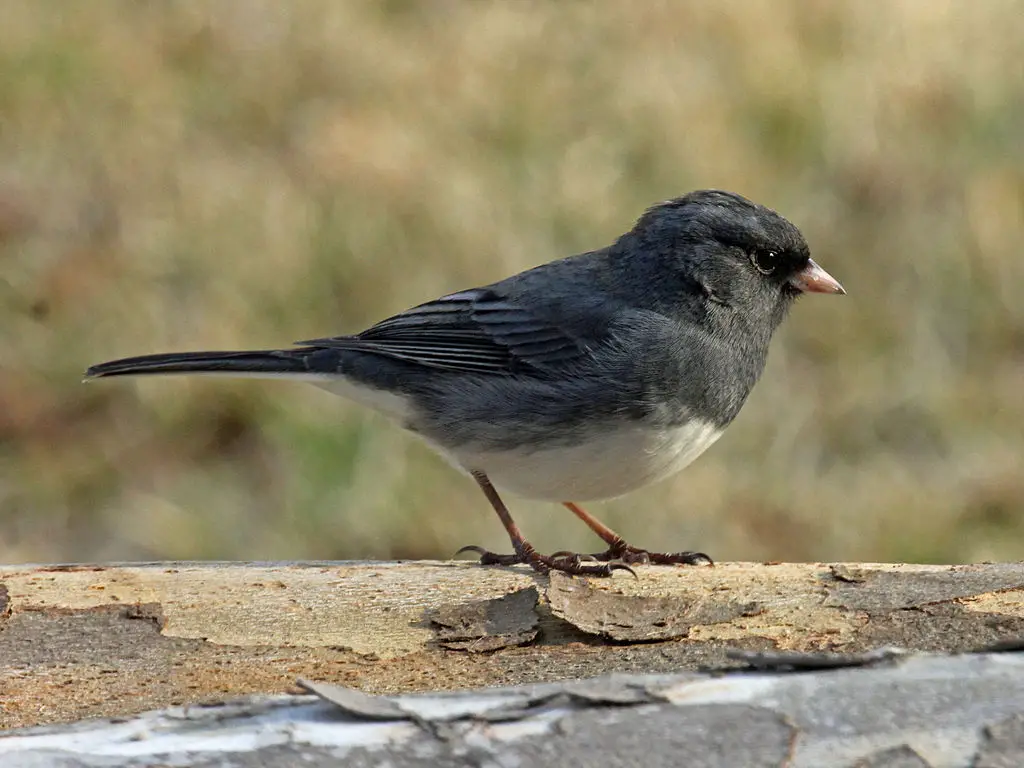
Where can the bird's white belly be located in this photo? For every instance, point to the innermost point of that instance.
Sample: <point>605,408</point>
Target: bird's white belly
<point>621,461</point>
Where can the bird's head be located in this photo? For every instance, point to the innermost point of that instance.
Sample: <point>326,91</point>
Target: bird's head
<point>738,254</point>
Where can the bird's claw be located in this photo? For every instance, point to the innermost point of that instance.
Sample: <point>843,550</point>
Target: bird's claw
<point>631,555</point>
<point>565,562</point>
<point>491,558</point>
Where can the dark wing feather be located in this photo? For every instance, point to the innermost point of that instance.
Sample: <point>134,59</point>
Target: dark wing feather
<point>474,331</point>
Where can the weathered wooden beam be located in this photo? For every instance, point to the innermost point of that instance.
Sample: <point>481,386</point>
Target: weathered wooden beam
<point>884,711</point>
<point>113,640</point>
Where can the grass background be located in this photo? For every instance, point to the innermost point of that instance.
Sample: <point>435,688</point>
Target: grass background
<point>245,173</point>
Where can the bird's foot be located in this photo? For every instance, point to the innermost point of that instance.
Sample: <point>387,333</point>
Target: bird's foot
<point>622,552</point>
<point>564,562</point>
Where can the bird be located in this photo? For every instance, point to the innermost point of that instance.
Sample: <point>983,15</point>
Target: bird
<point>581,379</point>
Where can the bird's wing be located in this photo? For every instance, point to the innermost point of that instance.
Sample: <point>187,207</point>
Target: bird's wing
<point>476,331</point>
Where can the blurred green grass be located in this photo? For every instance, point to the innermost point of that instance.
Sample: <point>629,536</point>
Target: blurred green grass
<point>242,174</point>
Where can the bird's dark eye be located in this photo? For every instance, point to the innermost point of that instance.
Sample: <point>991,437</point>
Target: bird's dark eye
<point>764,262</point>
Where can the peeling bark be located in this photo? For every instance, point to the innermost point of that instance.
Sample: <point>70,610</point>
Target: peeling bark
<point>90,641</point>
<point>878,711</point>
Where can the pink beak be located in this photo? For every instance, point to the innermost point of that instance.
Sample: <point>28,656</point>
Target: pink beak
<point>814,279</point>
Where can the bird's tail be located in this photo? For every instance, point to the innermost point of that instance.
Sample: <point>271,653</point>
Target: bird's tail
<point>268,362</point>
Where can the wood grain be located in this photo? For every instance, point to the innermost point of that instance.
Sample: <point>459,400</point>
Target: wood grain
<point>105,640</point>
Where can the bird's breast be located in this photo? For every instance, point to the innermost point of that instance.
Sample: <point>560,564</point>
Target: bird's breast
<point>602,464</point>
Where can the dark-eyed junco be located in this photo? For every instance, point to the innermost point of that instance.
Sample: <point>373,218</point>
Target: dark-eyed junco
<point>584,378</point>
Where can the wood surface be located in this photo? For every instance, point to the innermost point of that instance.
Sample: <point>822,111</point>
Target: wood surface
<point>878,710</point>
<point>81,641</point>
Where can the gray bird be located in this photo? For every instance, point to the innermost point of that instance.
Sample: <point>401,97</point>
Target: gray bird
<point>584,378</point>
